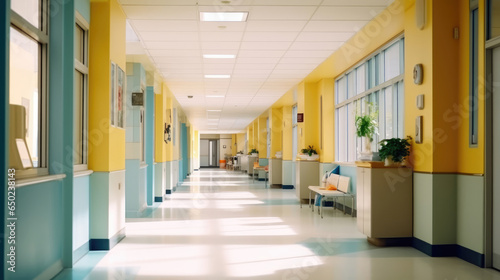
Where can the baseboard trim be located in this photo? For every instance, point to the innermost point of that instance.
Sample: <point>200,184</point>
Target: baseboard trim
<point>440,250</point>
<point>450,250</point>
<point>80,252</point>
<point>158,198</point>
<point>262,179</point>
<point>51,271</point>
<point>107,244</point>
<point>168,191</point>
<point>471,256</point>
<point>287,187</point>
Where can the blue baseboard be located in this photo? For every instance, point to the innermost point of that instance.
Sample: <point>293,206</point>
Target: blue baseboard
<point>107,244</point>
<point>287,187</point>
<point>449,250</point>
<point>168,191</point>
<point>262,179</point>
<point>158,199</point>
<point>468,255</point>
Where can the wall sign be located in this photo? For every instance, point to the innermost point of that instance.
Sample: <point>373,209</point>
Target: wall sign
<point>300,117</point>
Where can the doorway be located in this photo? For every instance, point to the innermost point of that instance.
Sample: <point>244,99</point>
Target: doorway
<point>209,153</point>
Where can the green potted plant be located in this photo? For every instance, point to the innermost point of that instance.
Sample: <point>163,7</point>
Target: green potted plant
<point>394,150</point>
<point>366,127</point>
<point>253,152</point>
<point>309,153</point>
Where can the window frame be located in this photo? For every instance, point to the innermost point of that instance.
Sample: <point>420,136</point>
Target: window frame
<point>84,69</point>
<point>41,36</point>
<point>374,88</point>
<point>473,72</point>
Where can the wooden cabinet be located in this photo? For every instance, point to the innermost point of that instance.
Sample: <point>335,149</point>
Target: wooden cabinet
<point>306,174</point>
<point>275,171</point>
<point>384,198</point>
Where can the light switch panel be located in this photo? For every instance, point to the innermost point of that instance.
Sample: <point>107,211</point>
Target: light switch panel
<point>420,101</point>
<point>418,130</point>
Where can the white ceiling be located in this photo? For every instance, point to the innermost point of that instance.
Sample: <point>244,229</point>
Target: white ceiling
<point>281,42</point>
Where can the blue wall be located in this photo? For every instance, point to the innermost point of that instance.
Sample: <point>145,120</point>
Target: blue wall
<point>81,209</point>
<point>150,108</point>
<point>39,229</point>
<point>4,113</point>
<point>350,171</point>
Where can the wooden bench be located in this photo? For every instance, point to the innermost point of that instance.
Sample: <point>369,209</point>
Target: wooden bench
<point>342,184</point>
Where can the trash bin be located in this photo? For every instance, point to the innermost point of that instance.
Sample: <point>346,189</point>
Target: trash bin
<point>222,163</point>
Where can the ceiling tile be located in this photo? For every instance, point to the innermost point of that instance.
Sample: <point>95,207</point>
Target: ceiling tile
<point>324,36</point>
<point>159,2</point>
<point>169,36</point>
<point>346,13</point>
<point>161,12</point>
<point>261,53</point>
<point>281,13</point>
<point>334,26</point>
<point>265,45</point>
<point>275,26</point>
<point>270,36</point>
<point>172,45</point>
<point>315,46</point>
<point>221,36</point>
<point>281,43</point>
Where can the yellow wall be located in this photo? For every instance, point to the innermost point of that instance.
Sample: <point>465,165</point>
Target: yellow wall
<point>287,133</point>
<point>325,90</point>
<point>276,123</point>
<point>107,43</point>
<point>240,142</point>
<point>160,121</point>
<point>262,133</point>
<point>418,49</point>
<point>310,131</point>
<point>250,140</point>
<point>470,160</point>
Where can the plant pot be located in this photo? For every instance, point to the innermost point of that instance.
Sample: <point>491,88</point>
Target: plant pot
<point>255,154</point>
<point>307,157</point>
<point>389,162</point>
<point>366,153</point>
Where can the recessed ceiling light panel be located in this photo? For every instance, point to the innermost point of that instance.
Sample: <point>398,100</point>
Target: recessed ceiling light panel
<point>219,56</point>
<point>217,76</point>
<point>223,16</point>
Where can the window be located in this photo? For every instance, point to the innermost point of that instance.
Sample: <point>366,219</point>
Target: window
<point>473,80</point>
<point>80,110</point>
<point>493,19</point>
<point>379,81</point>
<point>28,87</point>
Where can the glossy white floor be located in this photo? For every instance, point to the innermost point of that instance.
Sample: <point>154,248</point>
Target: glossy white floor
<point>221,225</point>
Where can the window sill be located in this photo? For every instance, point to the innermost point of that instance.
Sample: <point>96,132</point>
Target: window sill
<point>143,165</point>
<point>39,179</point>
<point>82,173</point>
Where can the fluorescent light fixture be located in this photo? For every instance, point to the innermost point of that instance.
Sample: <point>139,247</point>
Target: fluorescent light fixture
<point>219,56</point>
<point>215,96</point>
<point>223,16</point>
<point>214,110</point>
<point>217,76</point>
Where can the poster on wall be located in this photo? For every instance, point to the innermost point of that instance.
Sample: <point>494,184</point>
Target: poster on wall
<point>113,87</point>
<point>120,88</point>
<point>117,89</point>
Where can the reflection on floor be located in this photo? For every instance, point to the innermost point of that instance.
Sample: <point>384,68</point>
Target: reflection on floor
<point>221,225</point>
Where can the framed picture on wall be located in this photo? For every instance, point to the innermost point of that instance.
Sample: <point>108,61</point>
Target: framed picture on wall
<point>117,91</point>
<point>112,95</point>
<point>120,86</point>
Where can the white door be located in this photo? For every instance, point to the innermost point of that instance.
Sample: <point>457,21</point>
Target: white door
<point>496,158</point>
